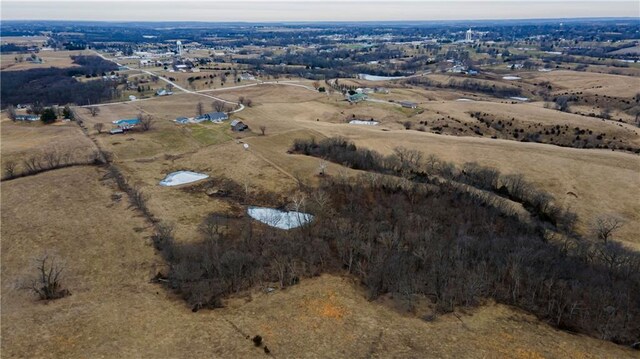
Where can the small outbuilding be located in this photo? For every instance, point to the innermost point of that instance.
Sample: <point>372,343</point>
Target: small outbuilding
<point>27,118</point>
<point>238,126</point>
<point>127,123</point>
<point>408,104</point>
<point>163,92</point>
<point>357,97</point>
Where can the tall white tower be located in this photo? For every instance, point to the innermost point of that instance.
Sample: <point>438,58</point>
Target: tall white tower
<point>468,36</point>
<point>179,47</point>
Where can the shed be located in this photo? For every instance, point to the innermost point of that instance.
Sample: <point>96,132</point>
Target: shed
<point>238,126</point>
<point>27,118</point>
<point>116,131</point>
<point>163,92</point>
<point>357,97</point>
<point>408,104</point>
<point>127,123</point>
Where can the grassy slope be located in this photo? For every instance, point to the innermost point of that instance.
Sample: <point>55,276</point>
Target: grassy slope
<point>115,312</point>
<point>19,141</point>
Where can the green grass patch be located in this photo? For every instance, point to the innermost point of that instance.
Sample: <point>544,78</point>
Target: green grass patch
<point>210,133</point>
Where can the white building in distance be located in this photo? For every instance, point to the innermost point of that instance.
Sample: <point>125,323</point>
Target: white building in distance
<point>468,36</point>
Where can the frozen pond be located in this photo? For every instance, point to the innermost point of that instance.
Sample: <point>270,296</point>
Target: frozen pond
<point>279,219</point>
<point>361,122</point>
<point>465,100</point>
<point>378,78</point>
<point>182,177</point>
<point>519,98</point>
<point>511,77</point>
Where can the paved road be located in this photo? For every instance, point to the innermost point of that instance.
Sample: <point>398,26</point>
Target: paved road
<point>175,85</point>
<point>202,92</point>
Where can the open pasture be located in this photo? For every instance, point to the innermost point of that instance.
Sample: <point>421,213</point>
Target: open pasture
<point>60,59</point>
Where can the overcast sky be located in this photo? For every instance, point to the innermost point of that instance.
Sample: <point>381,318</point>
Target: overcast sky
<point>302,10</point>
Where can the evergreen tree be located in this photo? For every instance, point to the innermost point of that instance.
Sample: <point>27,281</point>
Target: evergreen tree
<point>67,113</point>
<point>48,116</point>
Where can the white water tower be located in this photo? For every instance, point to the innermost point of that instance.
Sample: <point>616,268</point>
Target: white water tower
<point>179,47</point>
<point>469,35</point>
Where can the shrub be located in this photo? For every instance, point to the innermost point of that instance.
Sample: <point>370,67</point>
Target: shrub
<point>257,340</point>
<point>48,282</point>
<point>48,116</point>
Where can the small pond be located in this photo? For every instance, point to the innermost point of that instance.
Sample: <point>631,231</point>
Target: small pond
<point>279,219</point>
<point>182,177</point>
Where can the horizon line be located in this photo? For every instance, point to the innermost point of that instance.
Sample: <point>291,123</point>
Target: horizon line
<point>329,21</point>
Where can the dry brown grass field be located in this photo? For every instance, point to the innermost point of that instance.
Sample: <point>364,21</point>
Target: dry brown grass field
<point>50,58</point>
<point>204,82</point>
<point>602,179</point>
<point>114,310</point>
<point>20,40</point>
<point>587,82</point>
<point>19,141</point>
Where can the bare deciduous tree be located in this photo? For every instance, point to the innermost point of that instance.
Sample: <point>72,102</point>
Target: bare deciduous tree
<point>605,226</point>
<point>32,164</point>
<point>94,111</point>
<point>241,100</point>
<point>248,102</point>
<point>199,109</point>
<point>218,106</point>
<point>321,199</point>
<point>99,127</point>
<point>322,167</point>
<point>211,227</point>
<point>11,112</point>
<point>263,129</point>
<point>52,158</point>
<point>408,160</point>
<point>47,285</point>
<point>36,108</point>
<point>163,237</point>
<point>9,169</point>
<point>146,122</point>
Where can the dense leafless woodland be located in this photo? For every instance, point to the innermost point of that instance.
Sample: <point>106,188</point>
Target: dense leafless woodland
<point>441,240</point>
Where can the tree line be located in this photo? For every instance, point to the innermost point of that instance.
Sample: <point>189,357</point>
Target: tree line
<point>47,160</point>
<point>469,85</point>
<point>411,164</point>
